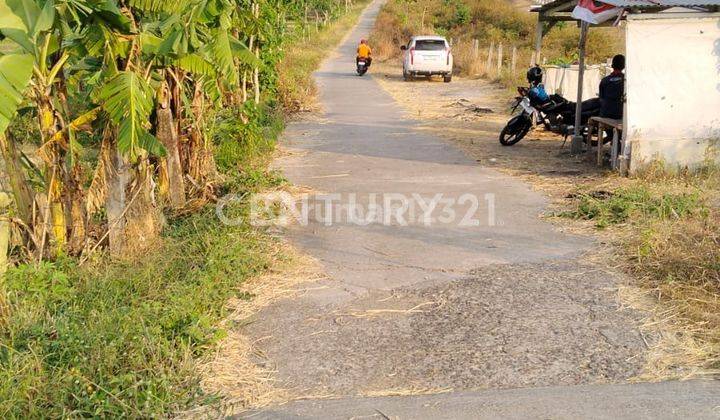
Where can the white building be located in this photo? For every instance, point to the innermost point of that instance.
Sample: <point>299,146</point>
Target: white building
<point>672,78</point>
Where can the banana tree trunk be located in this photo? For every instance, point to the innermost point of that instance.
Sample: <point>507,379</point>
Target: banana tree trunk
<point>167,133</point>
<point>143,219</point>
<point>256,77</point>
<point>118,175</point>
<point>77,214</point>
<point>251,47</point>
<point>20,189</point>
<point>244,86</point>
<point>54,174</point>
<point>238,97</point>
<point>201,165</point>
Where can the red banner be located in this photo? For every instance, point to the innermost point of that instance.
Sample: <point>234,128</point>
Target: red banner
<point>595,12</point>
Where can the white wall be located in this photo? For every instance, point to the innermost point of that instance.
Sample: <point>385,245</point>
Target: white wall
<point>673,89</point>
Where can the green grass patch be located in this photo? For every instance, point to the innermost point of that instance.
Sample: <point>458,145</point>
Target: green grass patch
<point>237,144</point>
<point>122,338</point>
<point>636,203</point>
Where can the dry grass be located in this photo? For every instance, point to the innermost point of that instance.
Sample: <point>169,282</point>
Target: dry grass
<point>664,225</point>
<point>669,241</point>
<point>678,351</point>
<point>678,263</point>
<point>234,371</point>
<point>373,313</point>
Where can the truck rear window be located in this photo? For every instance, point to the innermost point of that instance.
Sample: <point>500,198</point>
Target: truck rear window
<point>430,45</point>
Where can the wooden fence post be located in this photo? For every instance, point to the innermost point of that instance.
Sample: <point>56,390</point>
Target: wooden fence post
<point>476,48</point>
<point>513,65</point>
<point>500,58</point>
<point>488,66</point>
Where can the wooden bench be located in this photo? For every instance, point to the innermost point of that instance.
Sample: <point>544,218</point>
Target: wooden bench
<point>602,125</point>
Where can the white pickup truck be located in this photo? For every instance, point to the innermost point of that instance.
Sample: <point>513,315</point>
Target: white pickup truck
<point>427,56</point>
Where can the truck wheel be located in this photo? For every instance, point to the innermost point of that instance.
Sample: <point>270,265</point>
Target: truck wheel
<point>447,78</point>
<point>407,76</point>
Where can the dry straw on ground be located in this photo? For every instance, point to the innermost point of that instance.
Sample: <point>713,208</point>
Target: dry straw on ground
<point>407,392</point>
<point>233,370</point>
<point>676,353</point>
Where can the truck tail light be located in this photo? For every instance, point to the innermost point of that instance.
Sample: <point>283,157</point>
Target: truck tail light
<point>447,50</point>
<point>412,56</point>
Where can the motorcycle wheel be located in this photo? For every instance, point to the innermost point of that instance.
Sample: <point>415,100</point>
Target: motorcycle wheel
<point>515,130</point>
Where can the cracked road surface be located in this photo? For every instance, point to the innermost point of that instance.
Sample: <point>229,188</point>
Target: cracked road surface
<point>441,306</point>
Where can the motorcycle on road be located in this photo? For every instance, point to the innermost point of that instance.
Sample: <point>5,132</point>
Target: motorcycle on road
<point>362,66</point>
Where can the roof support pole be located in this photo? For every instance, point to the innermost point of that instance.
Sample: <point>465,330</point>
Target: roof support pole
<point>577,140</point>
<point>538,42</point>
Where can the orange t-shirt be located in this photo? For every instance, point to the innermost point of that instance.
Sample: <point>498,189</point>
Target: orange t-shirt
<point>364,51</point>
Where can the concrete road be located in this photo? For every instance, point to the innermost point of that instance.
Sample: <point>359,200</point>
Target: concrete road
<point>698,400</point>
<point>363,145</point>
<point>479,293</point>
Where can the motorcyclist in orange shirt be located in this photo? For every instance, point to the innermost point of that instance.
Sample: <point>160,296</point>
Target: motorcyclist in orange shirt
<point>364,52</point>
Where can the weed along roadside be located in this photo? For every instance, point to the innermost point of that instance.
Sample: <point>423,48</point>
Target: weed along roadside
<point>665,227</point>
<point>117,296</point>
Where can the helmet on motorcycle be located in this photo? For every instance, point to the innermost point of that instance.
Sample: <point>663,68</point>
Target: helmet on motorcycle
<point>535,75</point>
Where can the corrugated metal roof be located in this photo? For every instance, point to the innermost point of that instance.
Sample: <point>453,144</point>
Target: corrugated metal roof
<point>544,5</point>
<point>662,3</point>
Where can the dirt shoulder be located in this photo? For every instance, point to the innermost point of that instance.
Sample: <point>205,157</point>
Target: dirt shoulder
<point>470,113</point>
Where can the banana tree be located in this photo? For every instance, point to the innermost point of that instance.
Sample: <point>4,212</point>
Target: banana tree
<point>50,34</point>
<point>31,26</point>
<point>195,53</point>
<point>15,74</point>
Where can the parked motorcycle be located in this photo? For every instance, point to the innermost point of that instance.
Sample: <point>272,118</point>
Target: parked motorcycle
<point>362,66</point>
<point>557,115</point>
